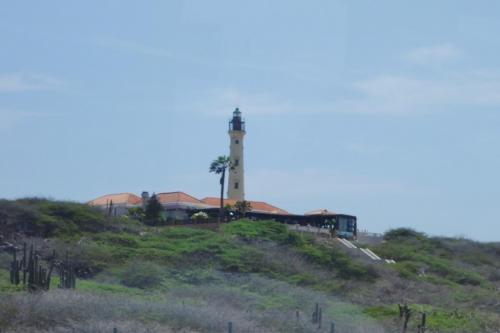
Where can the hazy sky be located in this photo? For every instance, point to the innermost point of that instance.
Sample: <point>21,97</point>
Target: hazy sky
<point>388,110</point>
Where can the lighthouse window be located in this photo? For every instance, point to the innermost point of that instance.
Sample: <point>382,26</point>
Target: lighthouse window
<point>236,185</point>
<point>236,162</point>
<point>237,141</point>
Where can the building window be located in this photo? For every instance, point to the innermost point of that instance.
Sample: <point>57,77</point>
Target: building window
<point>237,141</point>
<point>236,185</point>
<point>236,162</point>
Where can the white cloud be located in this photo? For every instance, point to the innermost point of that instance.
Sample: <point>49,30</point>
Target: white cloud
<point>433,55</point>
<point>407,95</point>
<point>385,94</point>
<point>20,82</point>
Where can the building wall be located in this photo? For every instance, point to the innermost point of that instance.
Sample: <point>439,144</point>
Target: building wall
<point>236,184</point>
<point>116,210</point>
<point>177,214</point>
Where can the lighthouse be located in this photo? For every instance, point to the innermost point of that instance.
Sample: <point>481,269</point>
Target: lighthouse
<point>236,186</point>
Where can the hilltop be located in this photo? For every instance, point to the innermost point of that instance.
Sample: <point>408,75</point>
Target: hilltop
<point>259,275</point>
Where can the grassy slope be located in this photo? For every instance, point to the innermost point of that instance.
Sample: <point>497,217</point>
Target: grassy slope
<point>239,261</point>
<point>450,279</point>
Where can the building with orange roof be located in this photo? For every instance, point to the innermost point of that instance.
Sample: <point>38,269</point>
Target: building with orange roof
<point>178,205</point>
<point>181,206</point>
<point>117,204</point>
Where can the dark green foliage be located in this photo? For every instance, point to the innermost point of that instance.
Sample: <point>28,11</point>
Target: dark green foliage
<point>407,269</point>
<point>242,207</point>
<point>338,262</point>
<point>47,218</point>
<point>235,250</point>
<point>153,214</point>
<point>325,256</point>
<point>219,167</point>
<point>180,246</point>
<point>439,260</point>
<point>136,213</point>
<point>17,216</point>
<point>142,274</point>
<point>162,259</point>
<point>243,260</point>
<point>402,233</point>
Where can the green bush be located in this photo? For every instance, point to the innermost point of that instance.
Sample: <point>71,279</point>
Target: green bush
<point>242,260</point>
<point>142,274</point>
<point>327,257</point>
<point>338,262</point>
<point>443,257</point>
<point>268,230</point>
<point>407,270</point>
<point>47,218</point>
<point>403,233</point>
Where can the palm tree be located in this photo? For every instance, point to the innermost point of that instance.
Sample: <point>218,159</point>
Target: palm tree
<point>219,166</point>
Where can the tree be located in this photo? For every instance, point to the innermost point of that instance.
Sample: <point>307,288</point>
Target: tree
<point>136,213</point>
<point>153,212</point>
<point>242,207</point>
<point>219,167</point>
<point>110,207</point>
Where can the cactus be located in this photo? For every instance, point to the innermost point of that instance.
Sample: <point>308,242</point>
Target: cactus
<point>67,278</point>
<point>315,314</point>
<point>35,276</point>
<point>14,269</point>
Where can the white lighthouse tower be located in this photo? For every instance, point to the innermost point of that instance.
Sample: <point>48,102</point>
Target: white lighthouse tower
<point>236,186</point>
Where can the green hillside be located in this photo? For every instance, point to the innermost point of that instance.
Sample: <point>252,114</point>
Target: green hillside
<point>256,274</point>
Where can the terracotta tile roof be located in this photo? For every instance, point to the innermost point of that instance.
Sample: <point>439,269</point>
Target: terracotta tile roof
<point>257,206</point>
<point>320,212</point>
<point>118,199</point>
<point>182,198</point>
<point>178,196</point>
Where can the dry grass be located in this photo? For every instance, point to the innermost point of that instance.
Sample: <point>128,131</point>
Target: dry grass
<point>252,303</point>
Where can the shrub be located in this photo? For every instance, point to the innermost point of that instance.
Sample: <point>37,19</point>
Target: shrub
<point>407,270</point>
<point>403,233</point>
<point>144,275</point>
<point>243,260</point>
<point>47,218</point>
<point>199,216</point>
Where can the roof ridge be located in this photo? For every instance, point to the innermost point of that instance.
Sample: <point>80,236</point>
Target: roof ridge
<point>123,197</point>
<point>178,194</point>
<point>110,194</point>
<point>172,192</point>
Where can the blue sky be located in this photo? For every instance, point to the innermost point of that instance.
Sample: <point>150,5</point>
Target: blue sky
<point>388,110</point>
